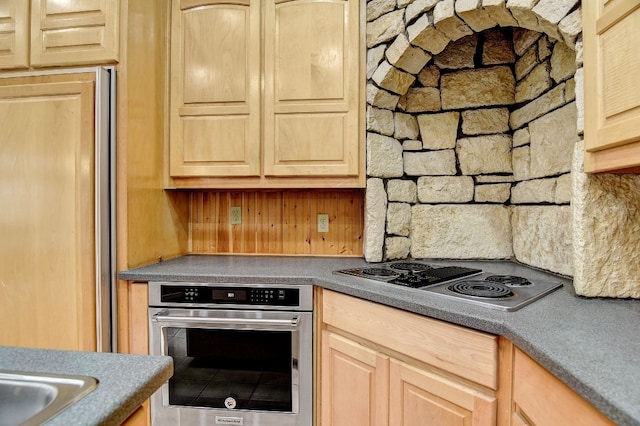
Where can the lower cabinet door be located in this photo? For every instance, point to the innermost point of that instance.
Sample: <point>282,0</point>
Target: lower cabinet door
<point>354,383</point>
<point>418,397</point>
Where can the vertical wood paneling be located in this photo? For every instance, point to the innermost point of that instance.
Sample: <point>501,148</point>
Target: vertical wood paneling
<point>277,222</point>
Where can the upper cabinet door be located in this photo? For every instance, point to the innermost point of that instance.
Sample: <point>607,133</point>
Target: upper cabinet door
<point>215,88</point>
<point>14,34</point>
<point>311,88</point>
<point>611,66</point>
<point>74,32</point>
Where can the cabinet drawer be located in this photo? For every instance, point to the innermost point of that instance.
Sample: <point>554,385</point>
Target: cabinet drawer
<point>463,352</point>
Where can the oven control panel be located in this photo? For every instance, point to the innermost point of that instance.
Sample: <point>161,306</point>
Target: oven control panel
<point>264,296</point>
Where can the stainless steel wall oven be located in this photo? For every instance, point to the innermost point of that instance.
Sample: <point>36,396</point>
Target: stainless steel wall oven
<point>243,353</point>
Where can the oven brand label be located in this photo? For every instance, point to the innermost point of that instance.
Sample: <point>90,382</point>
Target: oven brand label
<point>225,420</point>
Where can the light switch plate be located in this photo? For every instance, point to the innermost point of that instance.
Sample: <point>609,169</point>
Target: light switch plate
<point>323,222</point>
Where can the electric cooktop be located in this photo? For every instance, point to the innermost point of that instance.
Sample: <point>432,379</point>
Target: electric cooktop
<point>496,291</point>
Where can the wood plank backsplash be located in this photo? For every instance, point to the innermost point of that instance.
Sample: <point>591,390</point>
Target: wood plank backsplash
<point>277,222</point>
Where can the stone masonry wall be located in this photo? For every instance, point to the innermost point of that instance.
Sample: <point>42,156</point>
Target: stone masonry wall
<point>493,170</point>
<point>471,122</point>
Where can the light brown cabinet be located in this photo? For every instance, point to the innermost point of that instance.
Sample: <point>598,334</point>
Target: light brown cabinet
<point>539,398</point>
<point>47,249</point>
<point>611,66</point>
<point>41,33</point>
<point>133,333</point>
<point>382,366</point>
<point>266,94</point>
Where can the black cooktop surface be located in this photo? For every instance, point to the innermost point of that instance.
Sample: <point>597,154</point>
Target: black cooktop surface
<point>411,274</point>
<point>497,291</point>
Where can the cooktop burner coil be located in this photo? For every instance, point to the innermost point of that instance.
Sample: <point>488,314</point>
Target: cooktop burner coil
<point>379,272</point>
<point>509,280</point>
<point>410,266</point>
<point>479,288</point>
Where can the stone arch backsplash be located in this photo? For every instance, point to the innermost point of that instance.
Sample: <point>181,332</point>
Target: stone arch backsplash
<point>471,128</point>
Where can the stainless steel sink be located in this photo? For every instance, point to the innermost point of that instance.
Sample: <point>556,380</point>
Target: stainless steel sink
<point>32,398</point>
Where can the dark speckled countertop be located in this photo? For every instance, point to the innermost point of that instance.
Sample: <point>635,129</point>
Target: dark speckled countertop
<point>592,345</point>
<point>124,381</point>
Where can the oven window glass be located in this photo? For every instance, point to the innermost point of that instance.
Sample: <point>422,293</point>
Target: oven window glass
<point>245,368</point>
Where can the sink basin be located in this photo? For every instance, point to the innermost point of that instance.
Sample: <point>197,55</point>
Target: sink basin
<point>32,398</point>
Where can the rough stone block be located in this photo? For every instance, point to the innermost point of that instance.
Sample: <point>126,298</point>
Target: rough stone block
<point>472,13</point>
<point>418,7</point>
<point>461,231</point>
<point>431,163</point>
<point>384,156</point>
<point>374,220</point>
<point>492,193</point>
<point>542,237</point>
<point>439,131</point>
<point>498,11</point>
<point>411,145</point>
<point>478,87</point>
<point>402,190</point>
<point>497,48</point>
<point>579,92</point>
<point>563,189</point>
<point>445,20</point>
<point>430,76</point>
<point>381,98</point>
<point>545,48</point>
<point>535,191</point>
<point>485,121</point>
<point>596,241</point>
<point>521,137</point>
<point>445,189</point>
<point>377,8</point>
<point>380,121</point>
<point>405,56</point>
<point>523,39</point>
<point>397,248</point>
<point>485,154</point>
<point>398,219</point>
<point>554,10</point>
<point>391,78</point>
<point>552,142</point>
<point>424,34</point>
<point>421,99</point>
<point>563,62</point>
<point>570,27</point>
<point>385,28</point>
<point>534,84</point>
<point>538,107</point>
<point>406,126</point>
<point>521,10</point>
<point>459,54</point>
<point>374,57</point>
<point>521,160</point>
<point>526,63</point>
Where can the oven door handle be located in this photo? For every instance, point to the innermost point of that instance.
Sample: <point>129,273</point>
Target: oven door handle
<point>270,322</point>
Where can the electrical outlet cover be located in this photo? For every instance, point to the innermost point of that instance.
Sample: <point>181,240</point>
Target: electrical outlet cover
<point>323,222</point>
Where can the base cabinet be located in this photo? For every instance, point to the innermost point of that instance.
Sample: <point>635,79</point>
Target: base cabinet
<point>366,379</point>
<point>539,398</point>
<point>133,334</point>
